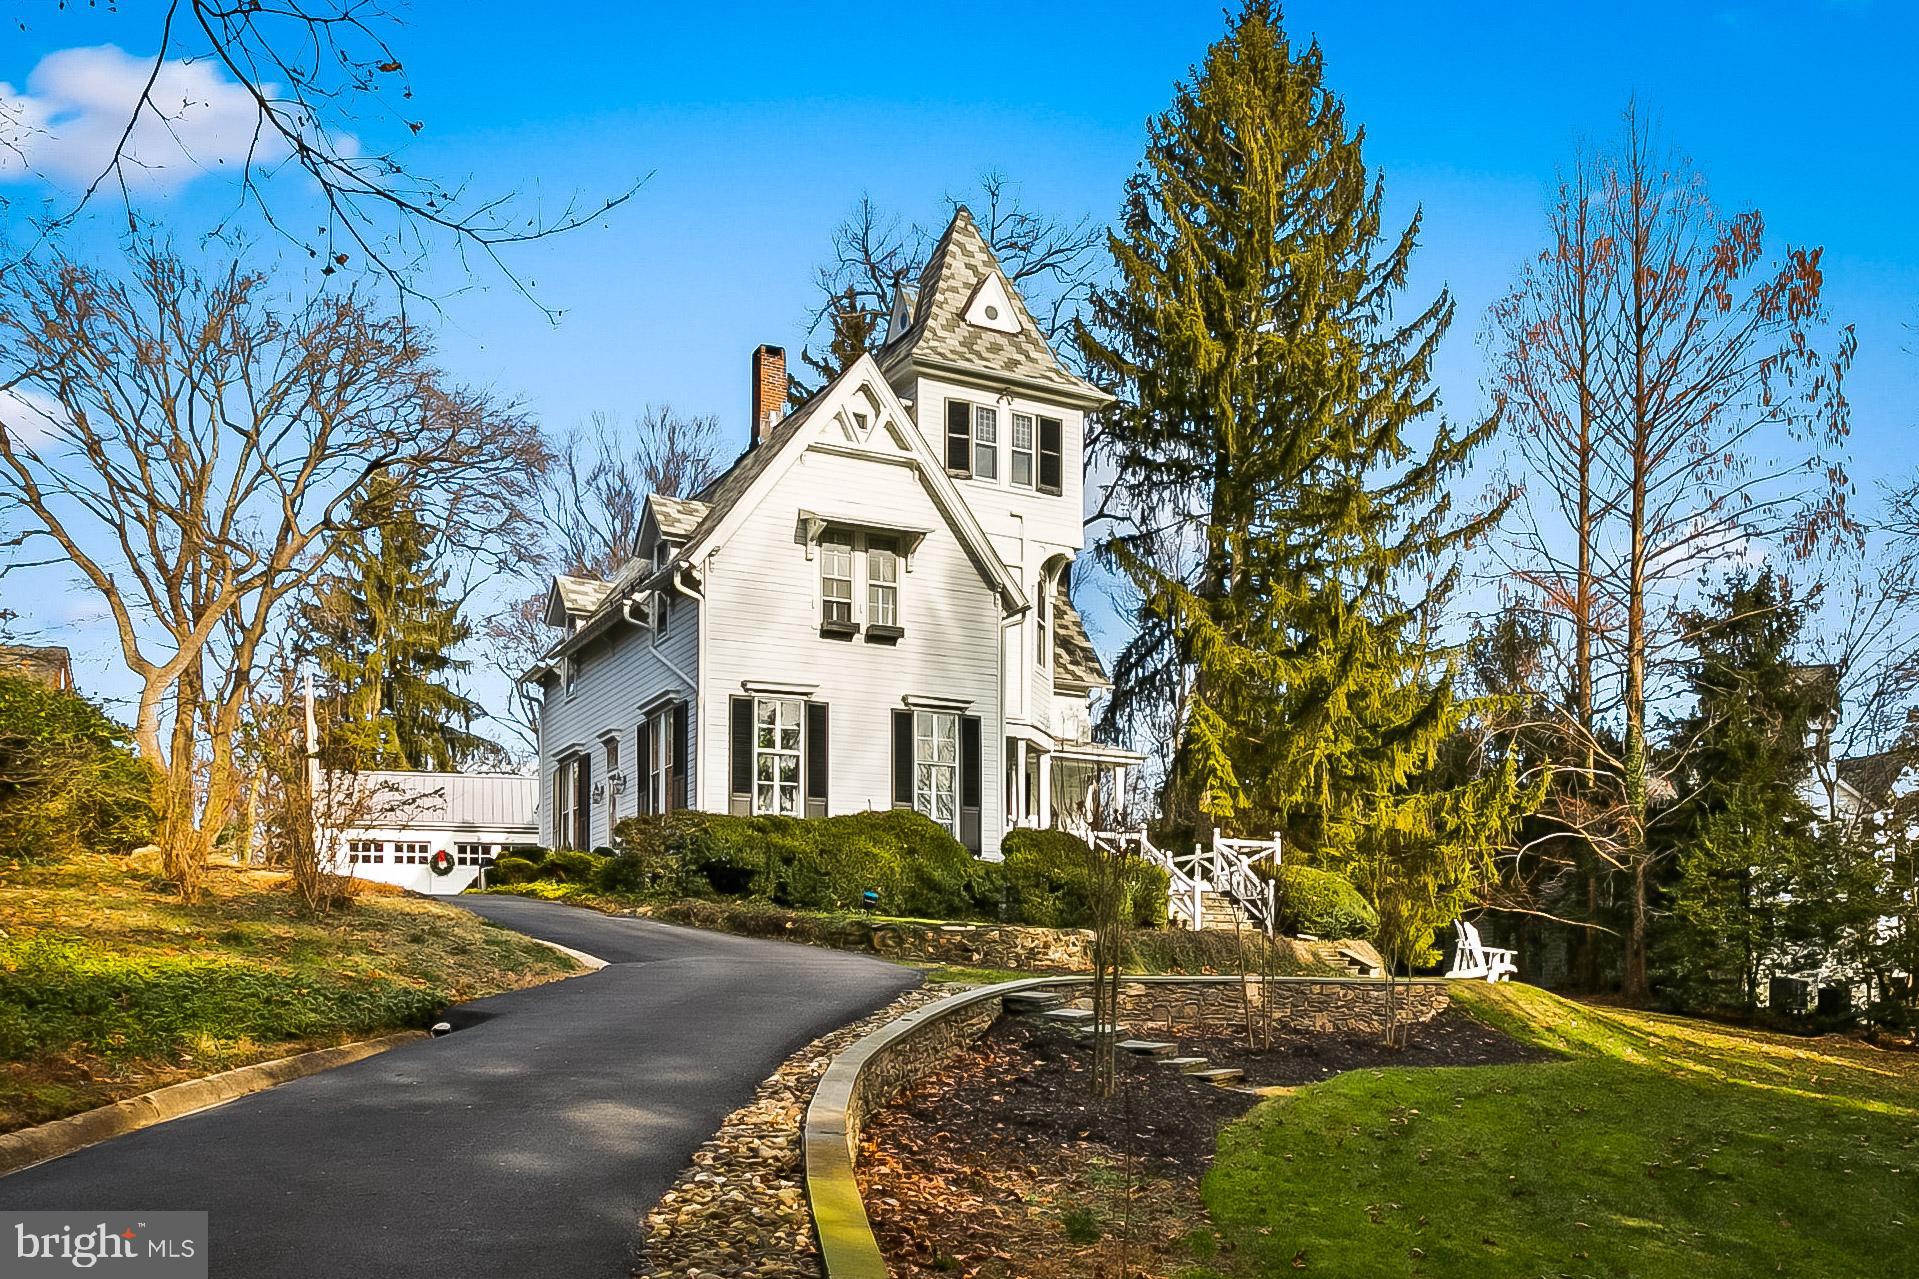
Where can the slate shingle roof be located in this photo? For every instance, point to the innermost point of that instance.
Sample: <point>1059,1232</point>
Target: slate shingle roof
<point>939,331</point>
<point>1075,661</point>
<point>678,517</point>
<point>1874,776</point>
<point>579,595</point>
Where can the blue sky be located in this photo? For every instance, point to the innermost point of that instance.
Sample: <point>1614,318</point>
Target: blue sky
<point>761,124</point>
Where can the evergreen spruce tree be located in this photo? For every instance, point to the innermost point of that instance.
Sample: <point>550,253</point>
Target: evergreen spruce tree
<point>1754,878</point>
<point>383,635</point>
<point>1290,540</point>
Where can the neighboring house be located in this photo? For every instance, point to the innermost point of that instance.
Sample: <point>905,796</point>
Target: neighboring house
<point>49,664</point>
<point>1863,794</point>
<point>868,610</point>
<point>432,832</point>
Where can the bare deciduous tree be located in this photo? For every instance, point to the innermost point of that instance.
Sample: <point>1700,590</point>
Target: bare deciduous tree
<point>1677,397</point>
<point>198,452</point>
<point>1051,261</point>
<point>591,500</point>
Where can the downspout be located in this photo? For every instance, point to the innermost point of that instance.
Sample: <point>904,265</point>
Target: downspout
<point>699,685</point>
<point>626,611</point>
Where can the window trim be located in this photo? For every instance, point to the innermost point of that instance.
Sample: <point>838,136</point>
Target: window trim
<point>928,772</point>
<point>883,596</point>
<point>1016,454</point>
<point>1056,455</point>
<point>797,753</point>
<point>986,442</point>
<point>832,544</point>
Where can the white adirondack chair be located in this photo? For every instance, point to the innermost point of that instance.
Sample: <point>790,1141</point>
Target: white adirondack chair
<point>1473,958</point>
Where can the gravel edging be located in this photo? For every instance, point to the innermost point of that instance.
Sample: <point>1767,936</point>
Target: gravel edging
<point>740,1209</point>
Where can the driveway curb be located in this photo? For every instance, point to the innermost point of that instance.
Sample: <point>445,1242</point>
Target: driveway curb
<point>36,1145</point>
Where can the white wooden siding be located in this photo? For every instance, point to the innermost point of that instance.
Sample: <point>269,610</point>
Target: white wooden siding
<point>622,673</point>
<point>763,607</point>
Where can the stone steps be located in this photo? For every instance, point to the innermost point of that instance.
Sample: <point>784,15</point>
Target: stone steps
<point>1078,1022</point>
<point>1219,1075</point>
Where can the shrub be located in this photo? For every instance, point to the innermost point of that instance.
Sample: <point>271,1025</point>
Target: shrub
<point>568,866</point>
<point>68,783</point>
<point>1321,903</point>
<point>513,870</point>
<point>1048,876</point>
<point>820,863</point>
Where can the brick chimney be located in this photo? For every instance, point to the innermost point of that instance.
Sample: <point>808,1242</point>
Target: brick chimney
<point>769,389</point>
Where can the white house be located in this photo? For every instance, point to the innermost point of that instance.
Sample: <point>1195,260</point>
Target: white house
<point>434,832</point>
<point>868,610</point>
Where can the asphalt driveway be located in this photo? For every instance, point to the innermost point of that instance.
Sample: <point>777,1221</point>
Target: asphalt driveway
<point>528,1143</point>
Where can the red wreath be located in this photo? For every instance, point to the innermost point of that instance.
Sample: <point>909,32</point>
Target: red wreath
<point>442,862</point>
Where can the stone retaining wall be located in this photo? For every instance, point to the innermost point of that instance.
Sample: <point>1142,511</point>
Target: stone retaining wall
<point>873,1071</point>
<point>1326,1006</point>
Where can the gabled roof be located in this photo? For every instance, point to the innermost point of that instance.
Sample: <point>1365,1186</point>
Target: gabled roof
<point>940,336</point>
<point>1872,777</point>
<point>787,440</point>
<point>677,517</point>
<point>719,500</point>
<point>577,596</point>
<point>1075,661</point>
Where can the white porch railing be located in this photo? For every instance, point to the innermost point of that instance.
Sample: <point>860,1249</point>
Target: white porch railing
<point>1226,867</point>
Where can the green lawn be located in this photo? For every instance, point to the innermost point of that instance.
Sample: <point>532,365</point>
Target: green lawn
<point>110,987</point>
<point>1655,1146</point>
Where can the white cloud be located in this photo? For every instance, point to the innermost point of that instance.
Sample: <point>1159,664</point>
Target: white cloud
<point>77,103</point>
<point>28,416</point>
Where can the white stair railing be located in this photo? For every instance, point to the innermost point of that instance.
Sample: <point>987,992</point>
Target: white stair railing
<point>1225,866</point>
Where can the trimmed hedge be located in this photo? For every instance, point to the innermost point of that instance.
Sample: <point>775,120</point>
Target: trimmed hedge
<point>821,863</point>
<point>1048,880</point>
<point>1323,904</point>
<point>513,870</point>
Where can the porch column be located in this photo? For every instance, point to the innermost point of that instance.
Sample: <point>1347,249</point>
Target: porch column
<point>1019,781</point>
<point>1046,789</point>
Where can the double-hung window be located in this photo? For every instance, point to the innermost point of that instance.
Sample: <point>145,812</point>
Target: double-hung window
<point>836,578</point>
<point>936,766</point>
<point>985,442</point>
<point>659,755</point>
<point>1022,468</point>
<point>882,582</point>
<point>1042,614</point>
<point>776,755</point>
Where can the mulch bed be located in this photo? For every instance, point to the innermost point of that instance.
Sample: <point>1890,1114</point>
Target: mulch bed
<point>1003,1165</point>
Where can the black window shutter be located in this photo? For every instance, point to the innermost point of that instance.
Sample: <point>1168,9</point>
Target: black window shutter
<point>644,758</point>
<point>679,789</point>
<point>970,782</point>
<point>1049,454</point>
<point>816,759</point>
<point>582,802</point>
<point>558,815</point>
<point>959,436</point>
<point>902,759</point>
<point>741,800</point>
